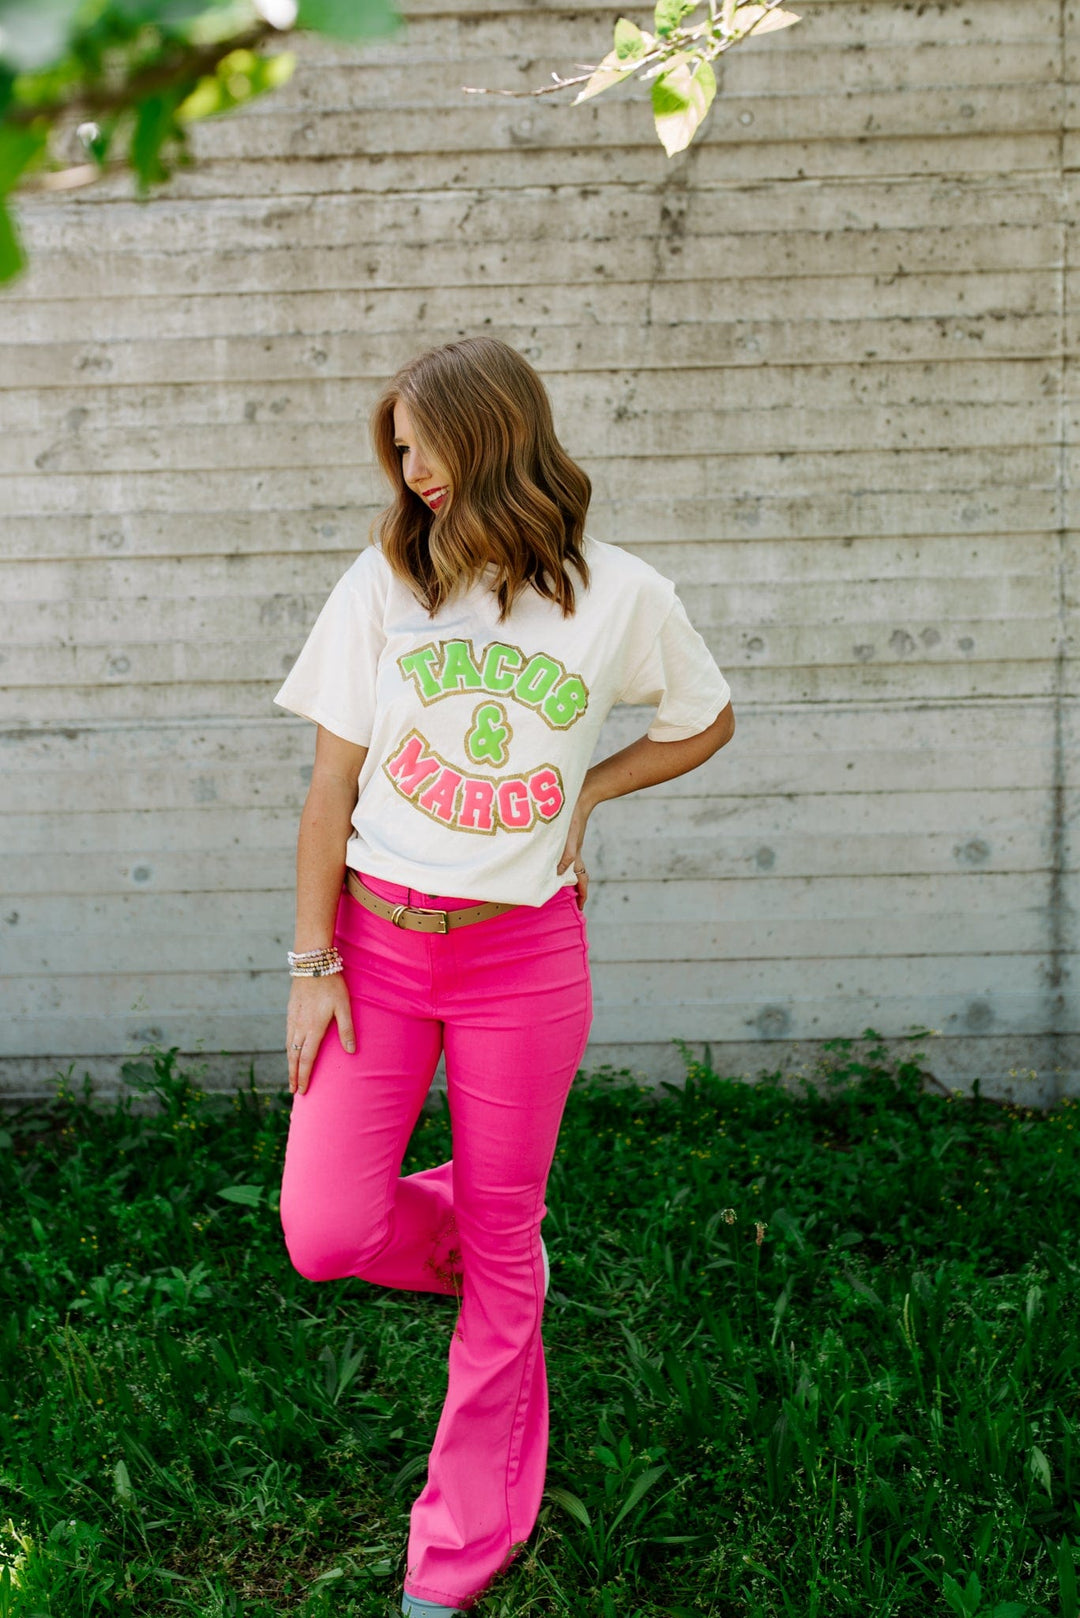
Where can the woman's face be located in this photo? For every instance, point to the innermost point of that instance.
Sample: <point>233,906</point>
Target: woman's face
<point>421,472</point>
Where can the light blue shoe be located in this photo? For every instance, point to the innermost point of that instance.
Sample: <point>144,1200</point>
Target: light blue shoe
<point>426,1609</point>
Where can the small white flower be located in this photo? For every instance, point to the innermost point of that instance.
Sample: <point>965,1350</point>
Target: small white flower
<point>278,13</point>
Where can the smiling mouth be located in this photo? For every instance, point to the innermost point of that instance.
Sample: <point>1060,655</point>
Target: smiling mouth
<point>434,497</point>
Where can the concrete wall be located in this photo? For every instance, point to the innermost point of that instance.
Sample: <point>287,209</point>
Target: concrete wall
<point>821,371</point>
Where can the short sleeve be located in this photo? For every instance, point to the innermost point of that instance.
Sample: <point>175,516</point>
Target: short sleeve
<point>332,681</point>
<point>680,676</point>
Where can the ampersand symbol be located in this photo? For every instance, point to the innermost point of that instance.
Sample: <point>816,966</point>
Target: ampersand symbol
<point>488,738</point>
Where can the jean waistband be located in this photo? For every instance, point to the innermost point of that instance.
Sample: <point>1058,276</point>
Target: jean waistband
<point>399,893</point>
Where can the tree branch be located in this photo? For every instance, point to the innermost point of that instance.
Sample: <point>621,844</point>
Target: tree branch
<point>680,39</point>
<point>188,62</point>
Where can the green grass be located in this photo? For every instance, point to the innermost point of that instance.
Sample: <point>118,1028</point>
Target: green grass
<point>810,1353</point>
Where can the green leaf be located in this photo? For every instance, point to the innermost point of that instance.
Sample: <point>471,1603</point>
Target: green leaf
<point>125,1494</point>
<point>198,22</point>
<point>642,1485</point>
<point>174,12</point>
<point>349,19</point>
<point>608,73</point>
<point>18,149</point>
<point>964,1602</point>
<point>97,146</point>
<point>1040,1468</point>
<point>618,63</point>
<point>249,1195</point>
<point>569,1502</point>
<point>762,20</point>
<point>669,14</point>
<point>327,1578</point>
<point>786,1223</point>
<point>12,257</point>
<point>671,91</point>
<point>155,125</point>
<point>680,100</point>
<point>1066,1572</point>
<point>239,77</point>
<point>630,42</point>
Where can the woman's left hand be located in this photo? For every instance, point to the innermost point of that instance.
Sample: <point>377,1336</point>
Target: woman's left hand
<point>572,855</point>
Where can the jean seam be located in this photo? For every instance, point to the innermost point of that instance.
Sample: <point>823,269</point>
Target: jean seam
<point>535,1348</point>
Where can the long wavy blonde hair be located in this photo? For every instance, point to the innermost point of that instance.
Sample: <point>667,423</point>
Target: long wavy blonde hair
<point>517,499</point>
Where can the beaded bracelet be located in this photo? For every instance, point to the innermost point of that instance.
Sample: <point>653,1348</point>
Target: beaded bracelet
<point>315,963</point>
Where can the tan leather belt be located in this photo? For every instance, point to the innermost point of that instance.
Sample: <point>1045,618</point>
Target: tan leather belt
<point>414,918</point>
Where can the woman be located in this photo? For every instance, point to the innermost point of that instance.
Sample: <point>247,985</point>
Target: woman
<point>459,675</point>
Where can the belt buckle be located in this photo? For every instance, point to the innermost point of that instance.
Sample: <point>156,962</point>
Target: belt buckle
<point>418,910</point>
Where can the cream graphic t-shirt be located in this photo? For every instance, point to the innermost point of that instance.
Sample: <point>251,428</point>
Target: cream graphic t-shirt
<point>478,733</point>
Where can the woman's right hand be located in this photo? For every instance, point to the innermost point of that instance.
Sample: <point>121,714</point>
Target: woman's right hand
<point>313,1004</point>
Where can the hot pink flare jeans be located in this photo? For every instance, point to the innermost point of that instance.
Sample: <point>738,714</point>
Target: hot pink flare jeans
<point>509,1001</point>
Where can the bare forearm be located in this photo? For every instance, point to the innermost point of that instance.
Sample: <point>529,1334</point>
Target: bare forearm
<point>646,763</point>
<point>320,862</point>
